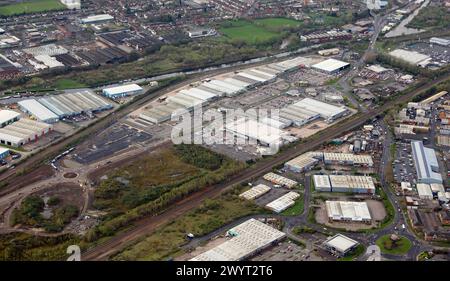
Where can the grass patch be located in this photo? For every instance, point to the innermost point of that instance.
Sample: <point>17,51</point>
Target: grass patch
<point>295,209</point>
<point>62,84</point>
<point>247,31</point>
<point>431,17</point>
<point>277,23</point>
<point>399,247</point>
<point>212,214</point>
<point>31,6</point>
<point>26,247</point>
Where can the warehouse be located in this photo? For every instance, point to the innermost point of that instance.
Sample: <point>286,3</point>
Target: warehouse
<point>4,152</point>
<point>221,88</point>
<point>322,183</point>
<point>97,19</point>
<point>38,111</point>
<point>348,211</point>
<point>247,239</point>
<point>298,115</point>
<point>284,202</point>
<point>303,162</point>
<point>238,83</point>
<point>255,192</point>
<point>352,184</point>
<point>327,111</point>
<point>424,191</point>
<point>76,103</point>
<point>49,50</point>
<point>186,101</point>
<point>252,82</point>
<point>411,57</point>
<point>293,64</point>
<point>279,123</point>
<point>229,88</point>
<point>255,131</point>
<point>426,163</point>
<point>199,94</point>
<point>340,245</point>
<point>7,117</point>
<point>123,91</point>
<point>331,66</point>
<point>331,158</point>
<point>161,113</point>
<point>440,41</point>
<point>280,180</point>
<point>49,61</point>
<point>22,132</point>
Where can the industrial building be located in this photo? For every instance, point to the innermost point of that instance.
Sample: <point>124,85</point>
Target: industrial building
<point>353,184</point>
<point>284,202</point>
<point>76,103</point>
<point>122,91</point>
<point>299,116</point>
<point>344,183</point>
<point>7,117</point>
<point>329,52</point>
<point>38,111</point>
<point>348,211</point>
<point>332,158</point>
<point>426,163</point>
<point>303,162</point>
<point>96,19</point>
<point>440,41</point>
<point>331,66</point>
<point>255,192</point>
<point>325,110</point>
<point>340,245</point>
<point>322,183</point>
<point>280,180</point>
<point>49,50</point>
<point>411,57</point>
<point>253,130</point>
<point>4,152</point>
<point>161,113</point>
<point>186,101</point>
<point>247,239</point>
<point>424,191</point>
<point>22,132</point>
<point>328,36</point>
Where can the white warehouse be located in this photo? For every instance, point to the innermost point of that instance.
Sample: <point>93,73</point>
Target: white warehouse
<point>122,91</point>
<point>38,111</point>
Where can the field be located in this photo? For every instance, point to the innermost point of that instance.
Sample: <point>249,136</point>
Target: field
<point>388,246</point>
<point>296,209</point>
<point>258,31</point>
<point>63,84</point>
<point>32,6</point>
<point>167,242</point>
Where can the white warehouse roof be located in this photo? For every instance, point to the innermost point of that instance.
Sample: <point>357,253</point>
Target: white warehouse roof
<point>347,210</point>
<point>425,161</point>
<point>122,89</point>
<point>341,243</point>
<point>411,57</point>
<point>326,110</point>
<point>7,115</point>
<point>255,192</point>
<point>248,238</point>
<point>330,65</point>
<point>284,202</point>
<point>38,110</point>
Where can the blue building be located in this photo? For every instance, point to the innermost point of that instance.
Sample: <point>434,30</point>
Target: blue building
<point>4,152</point>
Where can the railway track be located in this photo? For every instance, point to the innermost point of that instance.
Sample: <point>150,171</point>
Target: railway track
<point>147,225</point>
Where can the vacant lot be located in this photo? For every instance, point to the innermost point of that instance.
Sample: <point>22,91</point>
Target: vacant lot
<point>31,6</point>
<point>168,241</point>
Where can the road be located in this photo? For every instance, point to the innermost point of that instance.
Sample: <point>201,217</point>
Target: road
<point>147,225</point>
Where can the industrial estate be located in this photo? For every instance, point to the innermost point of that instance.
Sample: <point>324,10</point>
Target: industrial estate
<point>212,130</point>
